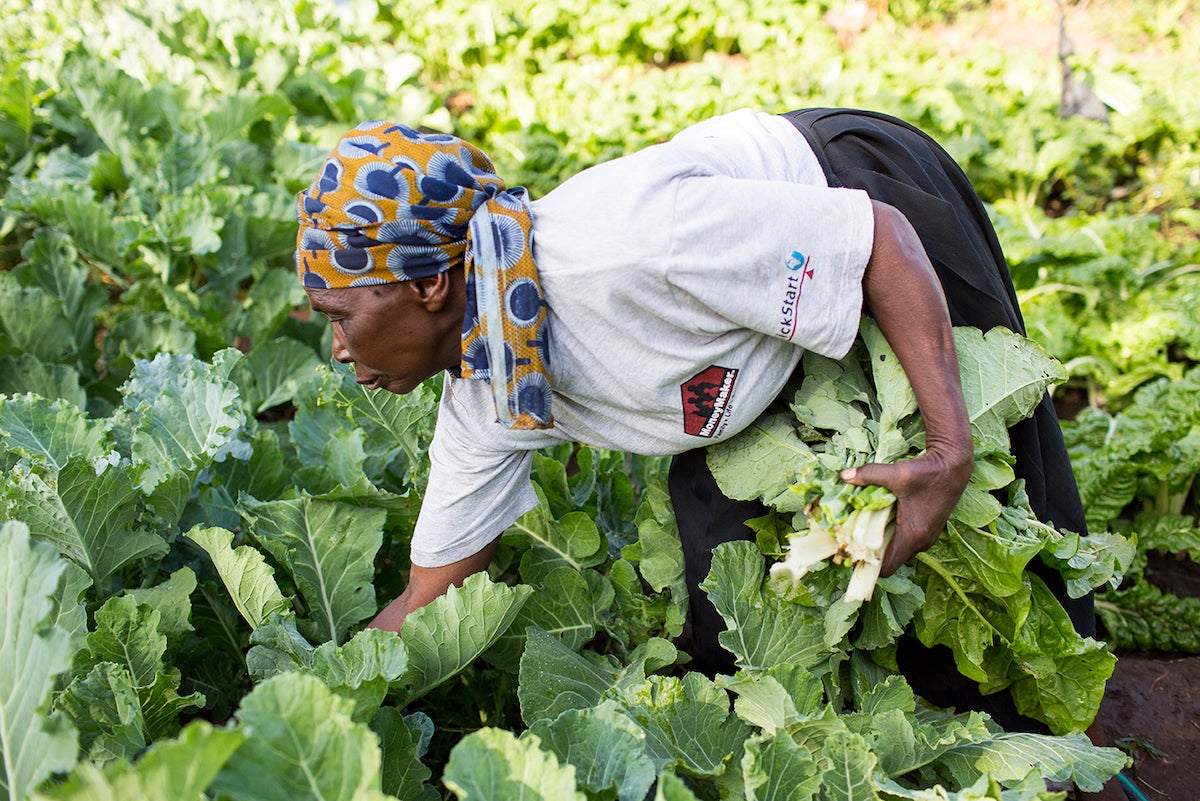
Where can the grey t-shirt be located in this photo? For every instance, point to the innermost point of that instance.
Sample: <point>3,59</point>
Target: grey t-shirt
<point>684,283</point>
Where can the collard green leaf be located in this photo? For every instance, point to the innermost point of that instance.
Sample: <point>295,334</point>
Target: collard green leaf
<point>329,550</point>
<point>777,769</point>
<point>1004,377</point>
<point>34,744</point>
<point>605,747</point>
<point>687,722</point>
<point>245,574</point>
<point>170,770</point>
<point>555,678</point>
<point>566,603</point>
<point>26,374</point>
<point>762,461</point>
<point>90,518</point>
<point>185,415</point>
<point>1010,756</point>
<point>129,634</point>
<point>105,709</point>
<point>762,630</point>
<point>658,553</point>
<point>362,669</point>
<point>274,372</point>
<point>849,769</point>
<point>573,540</point>
<point>493,765</point>
<point>672,788</point>
<point>51,429</point>
<point>403,740</point>
<point>301,742</point>
<point>445,636</point>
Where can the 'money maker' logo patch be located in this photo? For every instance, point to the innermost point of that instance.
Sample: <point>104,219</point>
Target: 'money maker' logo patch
<point>706,400</point>
<point>799,271</point>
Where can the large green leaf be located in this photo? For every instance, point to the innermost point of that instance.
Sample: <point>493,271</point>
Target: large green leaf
<point>688,723</point>
<point>762,461</point>
<point>762,630</point>
<point>445,636</point>
<point>301,742</point>
<point>245,573</point>
<point>777,769</point>
<point>90,518</point>
<point>329,549</point>
<point>606,748</point>
<point>493,765</point>
<point>1010,756</point>
<point>170,770</point>
<point>1004,377</point>
<point>32,655</point>
<point>51,429</point>
<point>403,739</point>
<point>185,415</point>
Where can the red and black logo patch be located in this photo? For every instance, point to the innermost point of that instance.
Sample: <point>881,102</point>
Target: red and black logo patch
<point>706,399</point>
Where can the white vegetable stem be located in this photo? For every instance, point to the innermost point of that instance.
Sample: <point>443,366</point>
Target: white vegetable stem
<point>862,539</point>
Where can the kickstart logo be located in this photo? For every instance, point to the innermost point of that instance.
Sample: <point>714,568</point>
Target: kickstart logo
<point>799,271</point>
<point>706,398</point>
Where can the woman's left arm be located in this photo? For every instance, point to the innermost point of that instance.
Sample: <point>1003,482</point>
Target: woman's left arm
<point>902,293</point>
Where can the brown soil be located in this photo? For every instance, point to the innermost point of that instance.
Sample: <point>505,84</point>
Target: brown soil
<point>1152,704</point>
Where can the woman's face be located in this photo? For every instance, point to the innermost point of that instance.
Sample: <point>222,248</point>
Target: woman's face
<point>395,335</point>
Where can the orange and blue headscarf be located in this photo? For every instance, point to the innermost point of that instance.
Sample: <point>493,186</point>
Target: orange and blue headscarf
<point>393,204</point>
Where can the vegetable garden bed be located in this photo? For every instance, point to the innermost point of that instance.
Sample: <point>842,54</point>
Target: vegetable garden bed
<point>204,519</point>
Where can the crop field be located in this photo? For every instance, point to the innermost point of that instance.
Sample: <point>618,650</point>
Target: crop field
<point>200,510</point>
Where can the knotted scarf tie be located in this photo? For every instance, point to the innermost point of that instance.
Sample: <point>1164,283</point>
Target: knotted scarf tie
<point>392,204</point>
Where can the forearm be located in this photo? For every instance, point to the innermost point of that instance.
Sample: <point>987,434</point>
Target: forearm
<point>426,584</point>
<point>902,293</point>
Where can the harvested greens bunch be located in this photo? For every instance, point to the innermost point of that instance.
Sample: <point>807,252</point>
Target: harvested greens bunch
<point>971,591</point>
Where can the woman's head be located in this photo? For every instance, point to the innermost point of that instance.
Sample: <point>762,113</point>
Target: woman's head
<point>390,204</point>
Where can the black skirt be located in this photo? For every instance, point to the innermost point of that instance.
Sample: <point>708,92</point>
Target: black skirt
<point>898,164</point>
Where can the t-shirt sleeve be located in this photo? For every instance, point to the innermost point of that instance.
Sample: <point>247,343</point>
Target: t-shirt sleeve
<point>781,258</point>
<point>475,490</point>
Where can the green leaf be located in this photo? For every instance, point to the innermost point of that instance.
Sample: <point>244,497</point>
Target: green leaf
<point>574,540</point>
<point>274,372</point>
<point>362,669</point>
<point>555,678</point>
<point>762,630</point>
<point>605,747</point>
<point>34,744</point>
<point>185,415</point>
<point>563,602</point>
<point>245,574</point>
<point>1144,618</point>
<point>1009,756</point>
<point>493,765</point>
<point>104,707</point>
<point>762,461</point>
<point>329,550</point>
<point>850,769</point>
<point>301,742</point>
<point>777,769</point>
<point>90,518</point>
<point>54,430</point>
<point>687,721</point>
<point>448,634</point>
<point>658,552</point>
<point>1004,377</point>
<point>27,374</point>
<point>403,740</point>
<point>170,770</point>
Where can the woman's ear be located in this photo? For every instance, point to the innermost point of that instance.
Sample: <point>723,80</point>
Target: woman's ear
<point>433,292</point>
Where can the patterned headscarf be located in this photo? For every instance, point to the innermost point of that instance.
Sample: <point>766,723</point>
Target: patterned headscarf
<point>392,204</point>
